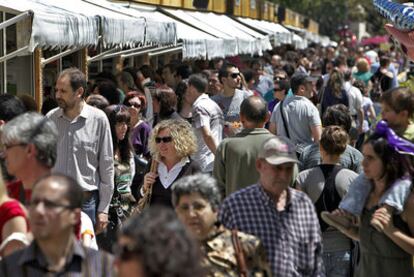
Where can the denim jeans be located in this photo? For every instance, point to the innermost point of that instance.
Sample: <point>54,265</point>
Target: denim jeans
<point>337,264</point>
<point>90,206</point>
<point>395,196</point>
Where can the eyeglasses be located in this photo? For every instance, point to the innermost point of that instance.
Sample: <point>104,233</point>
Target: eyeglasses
<point>135,105</point>
<point>163,139</point>
<point>235,75</point>
<point>196,206</point>
<point>49,205</point>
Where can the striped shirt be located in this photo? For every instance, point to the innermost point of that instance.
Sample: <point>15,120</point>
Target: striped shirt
<point>85,151</point>
<point>292,237</point>
<point>82,261</point>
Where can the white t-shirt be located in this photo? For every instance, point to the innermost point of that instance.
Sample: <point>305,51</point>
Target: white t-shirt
<point>354,98</point>
<point>87,229</point>
<point>206,113</point>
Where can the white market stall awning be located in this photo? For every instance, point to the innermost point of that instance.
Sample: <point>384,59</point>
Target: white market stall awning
<point>281,34</point>
<point>247,43</point>
<point>79,23</point>
<point>238,39</point>
<point>299,42</point>
<point>262,41</point>
<point>54,27</point>
<point>157,30</point>
<point>196,44</point>
<point>230,42</point>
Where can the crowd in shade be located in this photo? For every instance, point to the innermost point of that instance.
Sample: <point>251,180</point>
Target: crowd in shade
<point>294,163</point>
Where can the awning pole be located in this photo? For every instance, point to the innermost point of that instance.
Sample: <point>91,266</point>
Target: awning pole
<point>38,77</point>
<point>172,50</point>
<point>100,55</point>
<point>150,50</point>
<point>58,56</point>
<point>15,19</point>
<point>121,53</point>
<point>14,54</point>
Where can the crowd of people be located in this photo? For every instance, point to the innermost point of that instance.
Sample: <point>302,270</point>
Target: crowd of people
<point>295,163</point>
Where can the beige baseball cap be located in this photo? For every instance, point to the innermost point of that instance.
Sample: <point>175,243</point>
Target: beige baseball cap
<point>278,150</point>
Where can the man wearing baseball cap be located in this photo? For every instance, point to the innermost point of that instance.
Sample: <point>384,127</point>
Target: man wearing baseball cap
<point>283,218</point>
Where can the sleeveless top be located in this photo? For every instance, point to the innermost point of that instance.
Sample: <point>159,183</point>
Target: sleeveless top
<point>380,256</point>
<point>9,210</point>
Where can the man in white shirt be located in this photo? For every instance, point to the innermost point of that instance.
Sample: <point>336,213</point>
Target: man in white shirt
<point>355,101</point>
<point>207,121</point>
<point>85,150</point>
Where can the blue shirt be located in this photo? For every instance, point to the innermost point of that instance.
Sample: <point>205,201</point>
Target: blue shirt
<point>292,237</point>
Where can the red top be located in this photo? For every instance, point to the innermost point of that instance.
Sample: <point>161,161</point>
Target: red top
<point>9,210</point>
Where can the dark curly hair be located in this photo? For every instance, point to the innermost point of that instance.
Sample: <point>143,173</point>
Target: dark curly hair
<point>162,244</point>
<point>395,165</point>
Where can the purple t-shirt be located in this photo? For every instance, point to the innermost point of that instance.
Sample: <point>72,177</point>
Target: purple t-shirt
<point>139,138</point>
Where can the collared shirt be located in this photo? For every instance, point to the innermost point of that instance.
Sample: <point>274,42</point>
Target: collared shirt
<point>85,151</point>
<point>168,177</point>
<point>206,113</point>
<point>82,261</point>
<point>292,237</point>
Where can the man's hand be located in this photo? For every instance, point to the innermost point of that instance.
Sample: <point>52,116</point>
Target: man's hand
<point>101,222</point>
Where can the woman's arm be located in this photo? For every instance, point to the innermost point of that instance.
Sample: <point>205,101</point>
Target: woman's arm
<point>403,240</point>
<point>14,225</point>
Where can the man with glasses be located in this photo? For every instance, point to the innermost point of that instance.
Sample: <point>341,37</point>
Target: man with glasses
<point>231,98</point>
<point>85,150</point>
<point>296,117</point>
<point>29,148</point>
<point>54,211</point>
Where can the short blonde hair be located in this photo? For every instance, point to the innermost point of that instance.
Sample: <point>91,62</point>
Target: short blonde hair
<point>362,65</point>
<point>182,134</point>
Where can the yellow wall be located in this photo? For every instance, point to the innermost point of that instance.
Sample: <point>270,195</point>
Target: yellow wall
<point>265,11</point>
<point>313,27</point>
<point>253,8</point>
<point>219,6</point>
<point>271,11</point>
<point>188,4</point>
<point>149,1</point>
<point>172,3</point>
<point>238,11</point>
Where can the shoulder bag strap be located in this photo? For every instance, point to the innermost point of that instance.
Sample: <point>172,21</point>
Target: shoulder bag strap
<point>241,261</point>
<point>284,120</point>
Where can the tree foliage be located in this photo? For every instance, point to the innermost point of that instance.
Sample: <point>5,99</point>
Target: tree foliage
<point>331,14</point>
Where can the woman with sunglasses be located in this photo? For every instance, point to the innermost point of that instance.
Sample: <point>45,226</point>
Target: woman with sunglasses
<point>140,129</point>
<point>124,165</point>
<point>171,143</point>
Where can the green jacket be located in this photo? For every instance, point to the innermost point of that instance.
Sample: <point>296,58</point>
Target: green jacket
<point>235,160</point>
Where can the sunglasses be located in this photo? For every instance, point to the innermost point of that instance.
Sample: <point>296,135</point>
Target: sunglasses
<point>278,78</point>
<point>235,75</point>
<point>135,105</point>
<point>124,252</point>
<point>163,139</point>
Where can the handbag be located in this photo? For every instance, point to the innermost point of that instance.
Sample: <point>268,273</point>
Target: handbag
<point>143,202</point>
<point>241,260</point>
<point>141,164</point>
